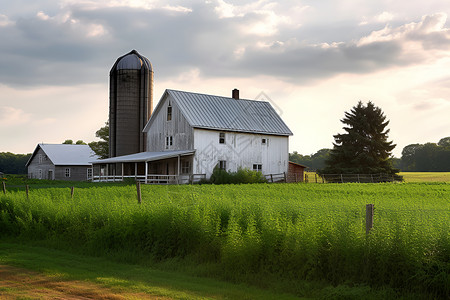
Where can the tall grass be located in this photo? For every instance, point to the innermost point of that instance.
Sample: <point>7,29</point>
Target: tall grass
<point>289,231</point>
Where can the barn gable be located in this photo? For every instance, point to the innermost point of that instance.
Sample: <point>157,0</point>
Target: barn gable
<point>168,128</point>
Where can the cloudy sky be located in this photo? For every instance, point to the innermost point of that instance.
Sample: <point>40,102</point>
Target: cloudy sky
<point>314,59</point>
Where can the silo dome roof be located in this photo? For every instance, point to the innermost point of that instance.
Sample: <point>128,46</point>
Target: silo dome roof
<point>132,61</point>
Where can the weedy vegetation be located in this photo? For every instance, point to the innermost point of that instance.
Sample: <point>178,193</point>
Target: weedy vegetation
<point>271,235</point>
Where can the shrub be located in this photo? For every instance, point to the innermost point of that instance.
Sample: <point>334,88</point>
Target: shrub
<point>243,175</point>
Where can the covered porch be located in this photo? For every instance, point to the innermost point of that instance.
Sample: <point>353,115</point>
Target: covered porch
<point>166,167</point>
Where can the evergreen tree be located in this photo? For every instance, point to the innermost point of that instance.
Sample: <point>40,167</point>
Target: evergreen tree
<point>364,149</point>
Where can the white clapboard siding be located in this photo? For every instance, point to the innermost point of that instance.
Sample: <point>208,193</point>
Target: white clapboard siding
<point>240,150</point>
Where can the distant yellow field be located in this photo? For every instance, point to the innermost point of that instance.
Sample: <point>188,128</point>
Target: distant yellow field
<point>426,176</point>
<point>408,176</point>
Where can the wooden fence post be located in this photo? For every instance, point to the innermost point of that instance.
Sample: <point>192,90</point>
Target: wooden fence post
<point>72,190</point>
<point>138,188</point>
<point>315,175</point>
<point>4,187</point>
<point>369,217</point>
<point>27,189</point>
<point>284,175</point>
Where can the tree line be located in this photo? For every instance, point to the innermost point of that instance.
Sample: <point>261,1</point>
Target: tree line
<point>11,163</point>
<point>428,157</point>
<point>314,161</point>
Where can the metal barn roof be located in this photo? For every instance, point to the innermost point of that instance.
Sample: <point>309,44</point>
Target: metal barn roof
<point>66,154</point>
<point>144,156</point>
<point>229,114</point>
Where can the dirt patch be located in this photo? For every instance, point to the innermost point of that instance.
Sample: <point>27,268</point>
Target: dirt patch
<point>17,283</point>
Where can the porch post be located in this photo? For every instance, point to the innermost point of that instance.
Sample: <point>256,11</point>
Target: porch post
<point>146,171</point>
<point>122,171</point>
<point>135,170</point>
<point>178,169</point>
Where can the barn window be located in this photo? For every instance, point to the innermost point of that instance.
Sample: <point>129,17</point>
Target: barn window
<point>264,141</point>
<point>222,138</point>
<point>67,172</point>
<point>257,167</point>
<point>223,164</point>
<point>169,112</point>
<point>185,166</point>
<point>41,158</point>
<point>169,141</point>
<point>40,174</point>
<point>89,173</point>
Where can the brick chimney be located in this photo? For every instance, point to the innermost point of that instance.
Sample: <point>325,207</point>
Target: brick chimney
<point>235,94</point>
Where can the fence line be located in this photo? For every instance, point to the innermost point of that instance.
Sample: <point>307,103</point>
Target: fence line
<point>278,177</point>
<point>357,178</point>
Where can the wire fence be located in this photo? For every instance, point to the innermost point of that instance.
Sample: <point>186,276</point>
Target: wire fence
<point>358,178</point>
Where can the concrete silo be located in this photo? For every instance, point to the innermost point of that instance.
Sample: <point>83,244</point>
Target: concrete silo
<point>130,103</point>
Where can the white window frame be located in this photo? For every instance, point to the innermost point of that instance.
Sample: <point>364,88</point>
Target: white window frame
<point>67,172</point>
<point>169,141</point>
<point>40,174</point>
<point>41,158</point>
<point>169,112</point>
<point>257,167</point>
<point>89,173</point>
<point>223,164</point>
<point>264,141</point>
<point>221,137</point>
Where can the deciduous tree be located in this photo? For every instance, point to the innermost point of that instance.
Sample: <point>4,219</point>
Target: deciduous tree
<point>101,148</point>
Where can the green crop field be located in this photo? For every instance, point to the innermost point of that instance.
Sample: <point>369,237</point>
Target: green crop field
<point>261,233</point>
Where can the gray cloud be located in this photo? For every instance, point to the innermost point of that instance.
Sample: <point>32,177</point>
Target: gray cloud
<point>58,50</point>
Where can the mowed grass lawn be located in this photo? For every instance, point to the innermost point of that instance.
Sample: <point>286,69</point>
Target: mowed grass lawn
<point>426,176</point>
<point>30,272</point>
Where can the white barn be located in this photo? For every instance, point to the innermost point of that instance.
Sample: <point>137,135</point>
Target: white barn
<point>189,134</point>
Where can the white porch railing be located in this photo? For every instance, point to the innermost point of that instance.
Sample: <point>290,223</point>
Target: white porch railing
<point>152,178</point>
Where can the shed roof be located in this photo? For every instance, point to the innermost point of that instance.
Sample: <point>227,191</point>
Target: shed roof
<point>227,114</point>
<point>66,154</point>
<point>297,164</point>
<point>144,156</point>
